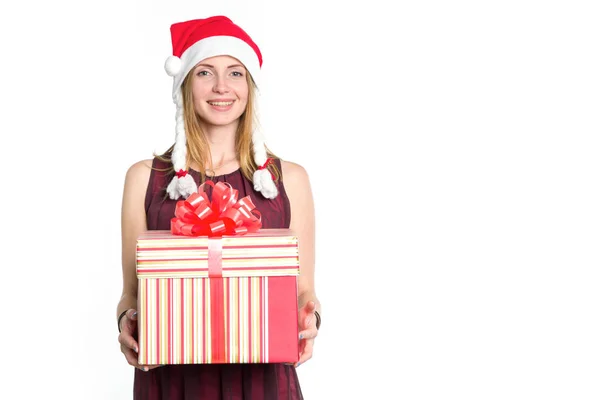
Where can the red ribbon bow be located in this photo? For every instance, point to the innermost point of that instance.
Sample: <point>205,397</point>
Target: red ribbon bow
<point>225,215</point>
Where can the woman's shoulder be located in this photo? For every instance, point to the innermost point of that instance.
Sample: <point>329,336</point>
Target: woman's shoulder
<point>138,175</point>
<point>143,168</point>
<point>140,169</point>
<point>295,178</point>
<point>293,170</point>
<point>134,192</point>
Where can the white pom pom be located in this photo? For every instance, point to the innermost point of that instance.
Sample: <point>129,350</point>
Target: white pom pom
<point>173,65</point>
<point>183,186</point>
<point>263,182</point>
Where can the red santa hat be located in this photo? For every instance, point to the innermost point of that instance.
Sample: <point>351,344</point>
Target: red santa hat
<point>197,40</point>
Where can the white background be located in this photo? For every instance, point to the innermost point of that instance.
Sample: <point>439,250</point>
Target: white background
<point>453,152</point>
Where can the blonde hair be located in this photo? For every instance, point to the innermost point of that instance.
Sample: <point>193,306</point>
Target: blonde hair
<point>197,145</point>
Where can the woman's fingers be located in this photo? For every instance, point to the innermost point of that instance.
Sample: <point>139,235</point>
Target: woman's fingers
<point>149,367</point>
<point>128,329</point>
<point>128,341</point>
<point>130,356</point>
<point>129,345</point>
<point>309,307</point>
<point>307,317</point>
<point>310,327</point>
<point>309,333</point>
<point>132,360</point>
<point>306,352</point>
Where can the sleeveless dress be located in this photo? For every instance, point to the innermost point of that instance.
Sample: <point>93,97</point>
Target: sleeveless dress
<point>216,381</point>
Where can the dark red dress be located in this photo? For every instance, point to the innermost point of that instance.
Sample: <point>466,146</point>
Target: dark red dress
<point>216,381</point>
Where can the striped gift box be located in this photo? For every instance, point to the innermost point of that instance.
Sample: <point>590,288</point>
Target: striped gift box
<point>217,300</point>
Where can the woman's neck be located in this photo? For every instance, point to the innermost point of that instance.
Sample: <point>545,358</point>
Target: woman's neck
<point>221,141</point>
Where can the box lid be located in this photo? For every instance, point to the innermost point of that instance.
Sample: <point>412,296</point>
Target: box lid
<point>269,252</point>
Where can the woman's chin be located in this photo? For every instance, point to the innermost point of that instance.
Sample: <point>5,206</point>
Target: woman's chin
<point>212,121</point>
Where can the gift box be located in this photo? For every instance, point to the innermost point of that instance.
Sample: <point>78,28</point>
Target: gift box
<point>224,299</point>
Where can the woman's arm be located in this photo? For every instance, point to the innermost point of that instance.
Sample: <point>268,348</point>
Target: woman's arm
<point>297,187</point>
<point>133,222</point>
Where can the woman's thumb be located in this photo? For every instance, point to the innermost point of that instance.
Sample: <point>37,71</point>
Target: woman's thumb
<point>132,314</point>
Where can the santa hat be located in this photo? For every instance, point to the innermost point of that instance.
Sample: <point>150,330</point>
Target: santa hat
<point>194,41</point>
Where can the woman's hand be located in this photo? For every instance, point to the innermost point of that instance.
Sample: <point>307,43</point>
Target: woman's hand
<point>307,323</point>
<point>129,346</point>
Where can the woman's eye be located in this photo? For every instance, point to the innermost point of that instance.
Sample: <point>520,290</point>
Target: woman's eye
<point>236,73</point>
<point>203,73</point>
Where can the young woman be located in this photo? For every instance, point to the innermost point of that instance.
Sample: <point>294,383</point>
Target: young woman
<point>215,67</point>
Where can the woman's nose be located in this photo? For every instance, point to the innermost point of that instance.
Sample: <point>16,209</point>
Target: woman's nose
<point>220,85</point>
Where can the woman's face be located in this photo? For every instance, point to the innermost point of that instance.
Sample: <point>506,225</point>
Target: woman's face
<point>220,90</point>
